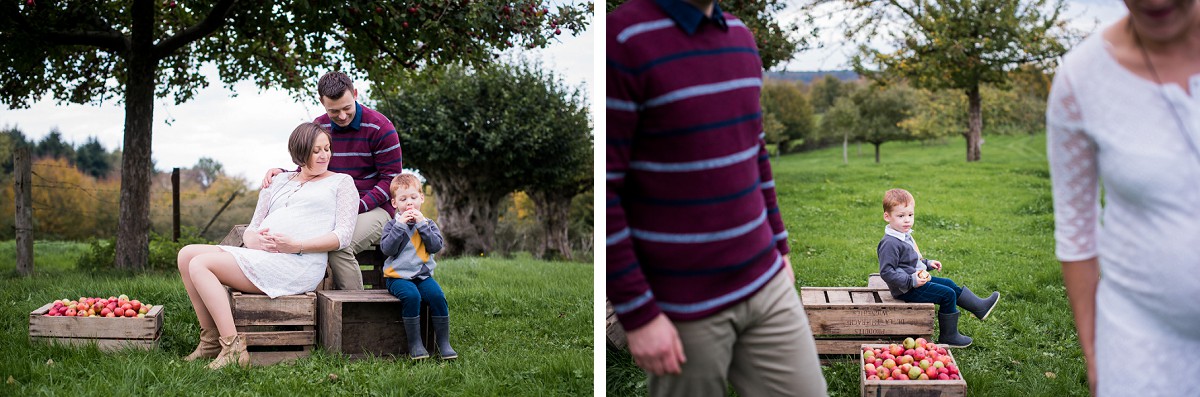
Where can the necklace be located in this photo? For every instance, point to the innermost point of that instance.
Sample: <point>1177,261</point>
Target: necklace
<point>1162,92</point>
<point>288,199</point>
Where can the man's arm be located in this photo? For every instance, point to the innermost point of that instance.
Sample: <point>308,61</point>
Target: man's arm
<point>653,339</point>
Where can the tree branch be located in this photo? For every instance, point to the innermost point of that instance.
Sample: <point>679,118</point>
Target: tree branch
<point>213,21</point>
<point>106,38</point>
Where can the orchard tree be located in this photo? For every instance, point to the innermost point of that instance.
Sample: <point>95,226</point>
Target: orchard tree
<point>480,134</point>
<point>881,109</point>
<point>140,50</point>
<point>954,44</point>
<point>842,119</point>
<point>825,91</point>
<point>790,106</point>
<point>777,42</point>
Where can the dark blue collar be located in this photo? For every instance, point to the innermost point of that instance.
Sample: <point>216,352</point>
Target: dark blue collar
<point>354,124</point>
<point>688,17</point>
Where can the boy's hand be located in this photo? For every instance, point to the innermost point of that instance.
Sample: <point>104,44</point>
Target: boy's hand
<point>922,278</point>
<point>935,265</point>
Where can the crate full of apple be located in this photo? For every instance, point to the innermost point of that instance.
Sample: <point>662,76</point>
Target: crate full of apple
<point>112,323</point>
<point>915,366</point>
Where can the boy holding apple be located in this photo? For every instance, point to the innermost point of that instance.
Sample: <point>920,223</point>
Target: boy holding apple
<point>409,241</point>
<point>905,271</point>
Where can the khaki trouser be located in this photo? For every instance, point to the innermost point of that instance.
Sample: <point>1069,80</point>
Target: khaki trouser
<point>763,346</point>
<point>343,265</point>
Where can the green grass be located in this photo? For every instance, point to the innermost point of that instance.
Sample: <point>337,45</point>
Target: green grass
<point>521,327</point>
<point>989,222</point>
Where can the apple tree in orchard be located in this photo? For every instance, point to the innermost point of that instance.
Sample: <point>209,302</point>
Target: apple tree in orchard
<point>953,44</point>
<point>137,51</point>
<point>482,133</point>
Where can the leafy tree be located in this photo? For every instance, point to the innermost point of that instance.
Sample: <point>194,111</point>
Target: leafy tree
<point>842,119</point>
<point>881,109</point>
<point>480,134</point>
<point>53,145</point>
<point>955,44</point>
<point>73,50</point>
<point>92,159</point>
<point>10,138</point>
<point>790,106</point>
<point>207,171</point>
<point>825,91</point>
<point>777,42</point>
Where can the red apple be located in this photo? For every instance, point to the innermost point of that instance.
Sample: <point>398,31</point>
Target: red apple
<point>143,310</point>
<point>931,372</point>
<point>897,374</point>
<point>921,342</point>
<point>872,377</point>
<point>70,312</point>
<point>130,313</point>
<point>136,305</point>
<point>943,377</point>
<point>889,363</point>
<point>110,315</point>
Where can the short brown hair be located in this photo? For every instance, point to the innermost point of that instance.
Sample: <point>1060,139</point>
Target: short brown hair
<point>300,144</point>
<point>334,84</point>
<point>896,197</point>
<point>405,180</point>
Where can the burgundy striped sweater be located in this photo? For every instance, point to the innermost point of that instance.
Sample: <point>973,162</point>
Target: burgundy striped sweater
<point>693,225</point>
<point>368,149</point>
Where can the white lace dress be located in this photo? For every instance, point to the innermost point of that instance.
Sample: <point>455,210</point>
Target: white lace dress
<point>317,208</point>
<point>1108,127</point>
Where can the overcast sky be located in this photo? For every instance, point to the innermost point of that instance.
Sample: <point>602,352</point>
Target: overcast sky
<point>835,53</point>
<point>247,134</point>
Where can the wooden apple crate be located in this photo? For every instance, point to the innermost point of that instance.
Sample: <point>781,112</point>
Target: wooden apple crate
<point>366,323</point>
<point>277,330</point>
<point>908,388</point>
<point>842,319</point>
<point>109,334</point>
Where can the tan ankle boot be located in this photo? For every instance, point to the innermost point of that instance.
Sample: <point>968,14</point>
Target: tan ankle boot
<point>208,347</point>
<point>233,351</point>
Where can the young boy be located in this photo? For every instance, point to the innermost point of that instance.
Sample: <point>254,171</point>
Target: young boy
<point>409,241</point>
<point>904,270</point>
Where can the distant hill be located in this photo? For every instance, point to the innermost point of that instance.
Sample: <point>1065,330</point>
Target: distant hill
<point>808,77</point>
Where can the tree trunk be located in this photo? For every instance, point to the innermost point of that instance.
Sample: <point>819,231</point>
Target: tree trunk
<point>466,216</point>
<point>133,224</point>
<point>974,123</point>
<point>846,148</point>
<point>553,212</point>
<point>877,151</point>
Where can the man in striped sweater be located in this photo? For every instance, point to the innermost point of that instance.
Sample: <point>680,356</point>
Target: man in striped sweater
<point>366,147</point>
<point>698,272</point>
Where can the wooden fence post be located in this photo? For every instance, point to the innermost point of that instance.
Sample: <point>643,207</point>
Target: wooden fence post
<point>175,204</point>
<point>24,199</point>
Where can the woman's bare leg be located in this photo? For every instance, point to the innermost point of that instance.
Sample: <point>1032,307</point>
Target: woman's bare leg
<point>184,261</point>
<point>210,273</point>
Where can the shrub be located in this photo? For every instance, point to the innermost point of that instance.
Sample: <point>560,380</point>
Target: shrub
<point>163,252</point>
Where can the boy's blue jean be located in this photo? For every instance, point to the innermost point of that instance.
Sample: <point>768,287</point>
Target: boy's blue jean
<point>412,292</point>
<point>941,291</point>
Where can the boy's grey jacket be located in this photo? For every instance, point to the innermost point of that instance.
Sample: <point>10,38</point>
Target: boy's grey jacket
<point>898,263</point>
<point>403,260</point>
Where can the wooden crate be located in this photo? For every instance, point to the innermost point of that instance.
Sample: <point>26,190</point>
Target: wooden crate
<point>367,323</point>
<point>613,328</point>
<point>908,388</point>
<point>277,330</point>
<point>109,334</point>
<point>842,319</point>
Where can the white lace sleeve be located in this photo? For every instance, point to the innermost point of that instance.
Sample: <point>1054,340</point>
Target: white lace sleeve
<point>264,200</point>
<point>346,213</point>
<point>1073,174</point>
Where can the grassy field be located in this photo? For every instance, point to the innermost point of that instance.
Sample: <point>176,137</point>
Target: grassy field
<point>989,222</point>
<point>521,327</point>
